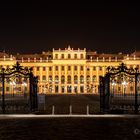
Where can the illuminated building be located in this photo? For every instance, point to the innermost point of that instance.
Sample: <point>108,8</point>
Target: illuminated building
<point>69,71</point>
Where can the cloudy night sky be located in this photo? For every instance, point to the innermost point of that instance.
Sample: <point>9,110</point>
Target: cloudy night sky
<point>36,26</point>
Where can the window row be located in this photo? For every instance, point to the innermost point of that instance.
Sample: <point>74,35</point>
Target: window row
<point>69,68</point>
<point>69,79</point>
<point>69,56</point>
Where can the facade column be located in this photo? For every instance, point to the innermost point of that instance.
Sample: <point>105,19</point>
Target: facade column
<point>97,83</point>
<point>78,87</point>
<point>65,67</point>
<point>41,84</point>
<point>53,79</point>
<point>91,83</point>
<point>72,78</point>
<point>59,75</point>
<point>85,80</point>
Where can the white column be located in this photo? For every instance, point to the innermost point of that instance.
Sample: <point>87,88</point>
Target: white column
<point>59,75</point>
<point>53,78</point>
<point>78,87</point>
<point>72,78</point>
<point>65,67</point>
<point>85,80</point>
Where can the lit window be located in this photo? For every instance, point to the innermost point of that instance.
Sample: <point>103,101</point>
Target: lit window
<point>56,56</point>
<point>63,79</point>
<point>69,56</point>
<point>62,89</point>
<point>88,78</point>
<point>62,68</point>
<point>75,56</point>
<point>100,68</point>
<point>88,69</point>
<point>69,67</point>
<point>62,56</point>
<point>69,79</point>
<point>94,68</point>
<point>75,67</point>
<point>56,89</point>
<point>94,78</point>
<point>82,89</point>
<point>75,79</point>
<point>56,79</point>
<point>50,79</point>
<point>44,68</point>
<point>56,68</point>
<point>44,78</point>
<point>81,68</point>
<point>81,79</point>
<point>82,56</point>
<point>50,68</point>
<point>37,68</point>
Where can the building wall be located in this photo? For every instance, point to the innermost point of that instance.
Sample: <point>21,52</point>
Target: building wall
<point>69,71</point>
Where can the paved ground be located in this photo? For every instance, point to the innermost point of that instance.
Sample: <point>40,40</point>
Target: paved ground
<point>69,128</point>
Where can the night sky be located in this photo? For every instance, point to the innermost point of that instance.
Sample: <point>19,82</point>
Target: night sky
<point>35,26</point>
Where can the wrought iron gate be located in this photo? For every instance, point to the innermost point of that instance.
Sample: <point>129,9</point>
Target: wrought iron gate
<point>120,89</point>
<point>18,90</point>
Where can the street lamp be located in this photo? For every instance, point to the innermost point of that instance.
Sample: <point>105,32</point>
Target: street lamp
<point>24,84</point>
<point>113,84</point>
<point>13,85</point>
<point>124,83</point>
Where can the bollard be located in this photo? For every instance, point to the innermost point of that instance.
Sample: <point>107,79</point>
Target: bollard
<point>70,110</point>
<point>53,108</point>
<point>87,109</point>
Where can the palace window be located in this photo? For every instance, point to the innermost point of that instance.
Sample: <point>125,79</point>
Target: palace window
<point>62,56</point>
<point>75,68</point>
<point>81,56</point>
<point>69,68</point>
<point>44,78</point>
<point>56,68</point>
<point>62,89</point>
<point>69,89</point>
<point>37,68</point>
<point>81,68</point>
<point>62,68</point>
<point>100,68</point>
<point>93,78</point>
<point>50,79</point>
<point>56,79</point>
<point>56,89</point>
<point>94,68</point>
<point>56,56</point>
<point>88,78</point>
<point>88,69</point>
<point>44,68</point>
<point>69,79</point>
<point>75,56</point>
<point>63,79</point>
<point>81,79</point>
<point>82,89</point>
<point>75,79</point>
<point>69,56</point>
<point>50,68</point>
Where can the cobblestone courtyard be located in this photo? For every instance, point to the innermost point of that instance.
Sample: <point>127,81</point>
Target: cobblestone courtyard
<point>70,128</point>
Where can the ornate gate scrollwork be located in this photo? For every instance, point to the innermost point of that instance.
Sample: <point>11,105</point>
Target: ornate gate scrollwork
<point>120,87</point>
<point>18,85</point>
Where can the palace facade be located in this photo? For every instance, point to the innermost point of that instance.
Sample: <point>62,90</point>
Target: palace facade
<point>68,71</point>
